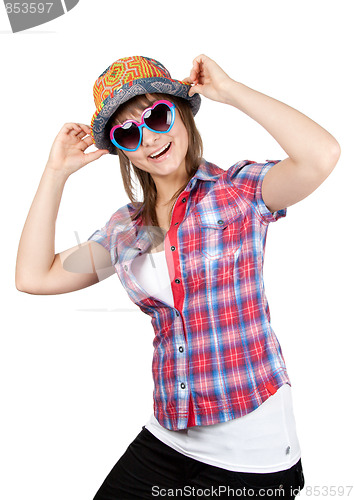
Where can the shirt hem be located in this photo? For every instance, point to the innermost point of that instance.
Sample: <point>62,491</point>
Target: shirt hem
<point>260,394</point>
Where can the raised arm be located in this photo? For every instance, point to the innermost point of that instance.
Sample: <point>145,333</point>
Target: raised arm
<point>312,151</point>
<point>38,269</point>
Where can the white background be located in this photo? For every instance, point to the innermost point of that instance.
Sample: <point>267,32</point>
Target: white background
<point>76,384</point>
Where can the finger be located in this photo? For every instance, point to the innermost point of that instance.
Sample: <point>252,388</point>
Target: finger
<point>78,131</point>
<point>81,134</point>
<point>187,80</point>
<point>86,142</point>
<point>197,63</point>
<point>95,155</point>
<point>195,89</point>
<point>200,63</point>
<point>200,59</point>
<point>70,127</point>
<point>193,76</point>
<point>85,127</point>
<point>75,128</point>
<point>194,73</point>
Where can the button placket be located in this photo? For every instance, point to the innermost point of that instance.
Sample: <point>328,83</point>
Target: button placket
<point>173,261</point>
<point>176,210</point>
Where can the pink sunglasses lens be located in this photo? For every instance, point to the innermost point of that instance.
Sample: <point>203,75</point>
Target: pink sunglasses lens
<point>159,118</point>
<point>127,136</point>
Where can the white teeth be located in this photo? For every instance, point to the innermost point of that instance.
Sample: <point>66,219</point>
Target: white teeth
<point>160,151</point>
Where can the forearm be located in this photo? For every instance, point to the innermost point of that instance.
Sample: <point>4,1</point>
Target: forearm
<point>300,137</point>
<point>36,249</point>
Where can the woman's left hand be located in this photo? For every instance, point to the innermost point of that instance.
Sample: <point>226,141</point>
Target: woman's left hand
<point>208,79</point>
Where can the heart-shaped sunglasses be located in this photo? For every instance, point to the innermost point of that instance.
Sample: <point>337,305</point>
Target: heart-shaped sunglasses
<point>158,118</point>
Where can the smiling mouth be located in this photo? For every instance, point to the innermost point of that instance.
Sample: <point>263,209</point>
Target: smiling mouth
<point>161,152</point>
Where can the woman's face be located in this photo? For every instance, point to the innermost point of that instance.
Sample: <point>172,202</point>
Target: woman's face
<point>147,156</point>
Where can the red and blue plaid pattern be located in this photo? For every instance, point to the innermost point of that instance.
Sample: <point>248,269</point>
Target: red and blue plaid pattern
<point>216,356</point>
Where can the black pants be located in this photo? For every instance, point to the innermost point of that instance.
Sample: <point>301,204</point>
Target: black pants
<point>151,469</point>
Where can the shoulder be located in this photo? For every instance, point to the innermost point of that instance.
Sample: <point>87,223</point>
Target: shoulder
<point>125,215</point>
<point>247,174</point>
<point>248,168</point>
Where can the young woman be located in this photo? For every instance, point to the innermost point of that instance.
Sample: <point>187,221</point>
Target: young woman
<point>190,255</point>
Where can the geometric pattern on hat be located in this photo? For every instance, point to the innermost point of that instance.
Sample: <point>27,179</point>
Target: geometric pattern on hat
<point>125,79</point>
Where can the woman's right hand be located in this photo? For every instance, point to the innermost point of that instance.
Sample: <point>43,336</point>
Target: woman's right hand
<point>67,154</point>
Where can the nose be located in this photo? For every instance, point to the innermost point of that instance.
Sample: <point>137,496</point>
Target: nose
<point>148,137</point>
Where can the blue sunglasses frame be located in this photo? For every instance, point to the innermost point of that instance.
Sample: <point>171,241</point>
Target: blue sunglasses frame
<point>142,124</point>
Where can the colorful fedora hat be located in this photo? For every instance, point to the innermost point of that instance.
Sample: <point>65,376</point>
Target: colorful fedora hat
<point>125,79</point>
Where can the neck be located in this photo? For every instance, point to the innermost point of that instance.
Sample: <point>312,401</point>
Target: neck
<point>167,186</point>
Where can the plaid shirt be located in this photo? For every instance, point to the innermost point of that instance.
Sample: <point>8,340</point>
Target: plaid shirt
<point>216,356</point>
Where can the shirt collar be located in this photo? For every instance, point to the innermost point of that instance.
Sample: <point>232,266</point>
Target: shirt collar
<point>206,172</point>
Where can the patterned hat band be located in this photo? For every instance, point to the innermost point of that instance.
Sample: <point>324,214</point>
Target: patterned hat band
<point>125,79</point>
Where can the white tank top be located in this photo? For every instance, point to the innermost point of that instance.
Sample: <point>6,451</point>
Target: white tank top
<point>261,441</point>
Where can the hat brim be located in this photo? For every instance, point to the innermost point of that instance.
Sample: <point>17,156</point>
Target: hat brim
<point>128,91</point>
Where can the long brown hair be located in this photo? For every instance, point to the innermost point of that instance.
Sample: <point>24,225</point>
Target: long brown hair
<point>193,156</point>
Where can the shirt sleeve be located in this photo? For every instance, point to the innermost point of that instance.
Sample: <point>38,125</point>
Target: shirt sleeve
<point>107,235</point>
<point>101,236</point>
<point>247,177</point>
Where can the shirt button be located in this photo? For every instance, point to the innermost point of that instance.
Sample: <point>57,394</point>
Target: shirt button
<point>176,223</point>
<point>173,248</point>
<point>126,268</point>
<point>181,349</point>
<point>184,200</point>
<point>183,386</point>
<point>177,313</point>
<point>177,280</point>
<point>220,222</point>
